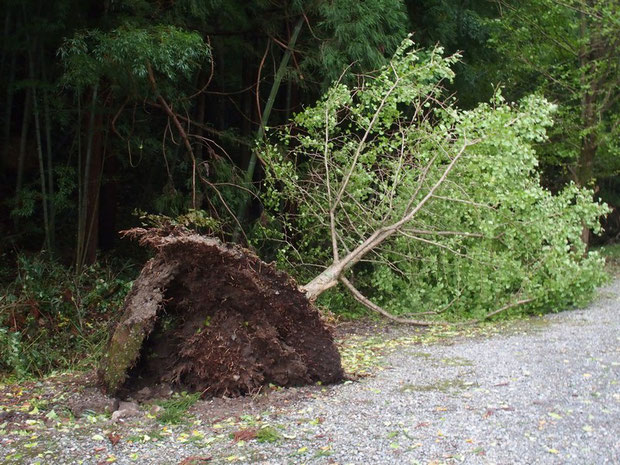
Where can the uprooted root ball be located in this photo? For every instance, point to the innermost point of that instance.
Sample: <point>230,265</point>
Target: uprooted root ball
<point>213,318</point>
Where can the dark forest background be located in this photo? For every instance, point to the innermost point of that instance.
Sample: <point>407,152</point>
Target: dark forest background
<point>119,113</point>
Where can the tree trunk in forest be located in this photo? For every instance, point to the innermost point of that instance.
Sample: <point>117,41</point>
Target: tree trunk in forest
<point>93,185</point>
<point>90,173</point>
<point>50,162</point>
<point>589,142</point>
<point>585,172</point>
<point>44,194</point>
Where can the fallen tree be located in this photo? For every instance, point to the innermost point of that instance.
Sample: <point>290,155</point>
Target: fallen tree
<point>394,191</point>
<point>423,211</point>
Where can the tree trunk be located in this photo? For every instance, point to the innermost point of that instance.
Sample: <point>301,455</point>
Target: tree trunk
<point>324,281</point>
<point>45,198</point>
<point>42,177</point>
<point>589,141</point>
<point>50,162</point>
<point>23,141</point>
<point>90,176</point>
<point>93,185</point>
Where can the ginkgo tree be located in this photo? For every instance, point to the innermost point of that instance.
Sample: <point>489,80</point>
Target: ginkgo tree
<point>424,209</point>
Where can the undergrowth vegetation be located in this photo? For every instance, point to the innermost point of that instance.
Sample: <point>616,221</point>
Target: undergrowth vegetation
<point>53,319</point>
<point>611,253</point>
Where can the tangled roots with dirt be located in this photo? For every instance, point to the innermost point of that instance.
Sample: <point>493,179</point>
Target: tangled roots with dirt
<point>208,317</point>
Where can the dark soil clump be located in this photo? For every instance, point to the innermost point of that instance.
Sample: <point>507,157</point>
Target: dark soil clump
<point>213,318</point>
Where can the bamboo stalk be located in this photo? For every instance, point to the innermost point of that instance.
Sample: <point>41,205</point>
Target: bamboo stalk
<point>266,113</point>
<point>37,128</point>
<point>79,177</point>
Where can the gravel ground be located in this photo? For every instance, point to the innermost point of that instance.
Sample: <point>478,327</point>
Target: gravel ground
<point>545,392</point>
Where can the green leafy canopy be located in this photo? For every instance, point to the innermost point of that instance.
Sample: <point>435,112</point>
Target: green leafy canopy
<point>489,236</point>
<point>172,52</point>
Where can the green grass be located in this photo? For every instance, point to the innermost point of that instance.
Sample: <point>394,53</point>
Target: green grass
<point>175,408</point>
<point>267,434</point>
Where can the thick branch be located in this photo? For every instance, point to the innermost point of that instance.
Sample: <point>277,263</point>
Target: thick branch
<point>380,235</point>
<point>329,278</point>
<point>375,308</point>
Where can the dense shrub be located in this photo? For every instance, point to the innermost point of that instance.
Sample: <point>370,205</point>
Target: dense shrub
<point>51,318</point>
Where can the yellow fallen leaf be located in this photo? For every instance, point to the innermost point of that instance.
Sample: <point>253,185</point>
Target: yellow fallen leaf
<point>553,451</point>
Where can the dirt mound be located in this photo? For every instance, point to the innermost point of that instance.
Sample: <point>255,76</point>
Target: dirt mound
<point>213,318</point>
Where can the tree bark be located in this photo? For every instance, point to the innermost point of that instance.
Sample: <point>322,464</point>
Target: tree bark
<point>589,141</point>
<point>93,187</point>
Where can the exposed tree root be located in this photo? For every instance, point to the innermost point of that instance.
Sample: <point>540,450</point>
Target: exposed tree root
<point>209,317</point>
